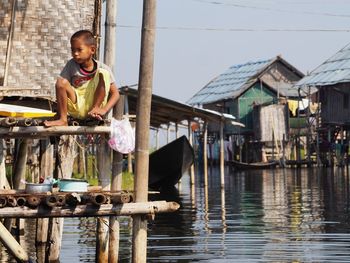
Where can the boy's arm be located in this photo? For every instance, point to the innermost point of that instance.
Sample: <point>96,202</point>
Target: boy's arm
<point>97,111</point>
<point>112,98</point>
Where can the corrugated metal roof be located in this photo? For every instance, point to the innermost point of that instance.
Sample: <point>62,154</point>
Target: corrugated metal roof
<point>334,70</point>
<point>230,82</point>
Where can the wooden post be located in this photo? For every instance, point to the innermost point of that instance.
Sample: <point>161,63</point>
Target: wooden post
<point>190,138</point>
<point>176,130</point>
<point>117,176</point>
<point>342,146</point>
<point>143,113</point>
<point>20,164</point>
<point>157,139</point>
<point>66,154</point>
<point>168,134</point>
<point>105,251</point>
<point>12,245</point>
<point>205,152</point>
<point>103,164</point>
<point>4,184</point>
<point>42,224</point>
<point>222,154</point>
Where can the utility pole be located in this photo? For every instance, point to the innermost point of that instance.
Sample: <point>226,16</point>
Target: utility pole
<point>143,113</point>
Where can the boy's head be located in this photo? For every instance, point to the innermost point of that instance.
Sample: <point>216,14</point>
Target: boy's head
<point>83,45</point>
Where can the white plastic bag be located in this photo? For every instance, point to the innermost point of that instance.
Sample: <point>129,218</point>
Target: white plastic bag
<point>122,136</point>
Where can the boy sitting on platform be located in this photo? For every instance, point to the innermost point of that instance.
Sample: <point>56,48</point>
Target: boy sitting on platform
<point>85,87</point>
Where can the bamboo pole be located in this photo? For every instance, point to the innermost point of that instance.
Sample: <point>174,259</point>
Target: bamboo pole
<point>127,209</point>
<point>168,134</point>
<point>222,155</point>
<point>143,112</point>
<point>157,139</point>
<point>12,245</point>
<point>205,153</point>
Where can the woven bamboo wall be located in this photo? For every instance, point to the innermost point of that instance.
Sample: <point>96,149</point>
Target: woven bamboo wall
<point>40,46</point>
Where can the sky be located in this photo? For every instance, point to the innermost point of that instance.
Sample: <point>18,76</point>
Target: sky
<point>197,40</point>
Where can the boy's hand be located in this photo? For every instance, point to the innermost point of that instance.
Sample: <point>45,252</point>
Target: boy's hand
<point>97,113</point>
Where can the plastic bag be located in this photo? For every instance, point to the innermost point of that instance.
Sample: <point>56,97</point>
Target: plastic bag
<point>122,136</point>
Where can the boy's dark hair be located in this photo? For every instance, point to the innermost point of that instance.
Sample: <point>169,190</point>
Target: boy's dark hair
<point>87,36</point>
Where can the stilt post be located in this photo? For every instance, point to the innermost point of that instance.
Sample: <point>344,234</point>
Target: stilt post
<point>143,113</point>
<point>222,154</point>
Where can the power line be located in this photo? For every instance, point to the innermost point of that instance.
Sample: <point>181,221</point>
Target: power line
<point>270,9</point>
<point>346,30</point>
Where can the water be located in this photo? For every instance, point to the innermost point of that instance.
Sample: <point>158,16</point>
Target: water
<point>262,216</point>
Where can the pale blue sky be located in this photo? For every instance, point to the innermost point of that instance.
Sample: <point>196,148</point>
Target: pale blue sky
<point>186,60</point>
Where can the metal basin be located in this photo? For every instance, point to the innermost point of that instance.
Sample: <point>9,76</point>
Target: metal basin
<point>32,188</point>
<point>72,185</point>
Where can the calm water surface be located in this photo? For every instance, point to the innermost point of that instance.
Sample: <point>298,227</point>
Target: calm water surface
<point>262,216</point>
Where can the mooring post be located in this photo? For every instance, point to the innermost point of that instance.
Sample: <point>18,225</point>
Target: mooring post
<point>143,113</point>
<point>205,152</point>
<point>222,154</point>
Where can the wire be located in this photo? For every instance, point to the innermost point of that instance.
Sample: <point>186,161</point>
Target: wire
<point>345,30</point>
<point>271,9</point>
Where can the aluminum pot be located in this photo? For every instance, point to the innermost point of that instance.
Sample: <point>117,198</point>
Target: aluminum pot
<point>32,188</point>
<point>72,185</point>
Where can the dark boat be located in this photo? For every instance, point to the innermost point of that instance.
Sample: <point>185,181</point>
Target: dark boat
<point>247,166</point>
<point>169,163</point>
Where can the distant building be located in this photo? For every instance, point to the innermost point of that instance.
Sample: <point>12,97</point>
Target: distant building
<point>332,79</point>
<point>244,86</point>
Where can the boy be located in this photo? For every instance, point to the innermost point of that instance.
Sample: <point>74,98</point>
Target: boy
<point>85,86</point>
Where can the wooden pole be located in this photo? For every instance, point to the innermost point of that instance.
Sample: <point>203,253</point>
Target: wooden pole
<point>190,138</point>
<point>205,153</point>
<point>168,134</point>
<point>66,155</point>
<point>143,112</point>
<point>103,164</point>
<point>46,170</point>
<point>4,184</point>
<point>12,245</point>
<point>126,209</point>
<point>117,176</point>
<point>157,139</point>
<point>222,154</point>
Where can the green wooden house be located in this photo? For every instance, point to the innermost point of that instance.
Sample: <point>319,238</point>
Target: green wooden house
<point>244,86</point>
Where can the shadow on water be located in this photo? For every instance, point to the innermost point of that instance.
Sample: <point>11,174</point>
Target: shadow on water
<point>282,215</point>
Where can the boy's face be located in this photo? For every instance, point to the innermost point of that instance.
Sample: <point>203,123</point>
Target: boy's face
<point>82,52</point>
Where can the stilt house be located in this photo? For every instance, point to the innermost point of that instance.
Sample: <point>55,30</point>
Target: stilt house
<point>244,86</point>
<point>332,80</point>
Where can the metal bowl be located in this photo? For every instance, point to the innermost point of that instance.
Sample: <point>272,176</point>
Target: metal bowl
<point>72,185</point>
<point>32,188</point>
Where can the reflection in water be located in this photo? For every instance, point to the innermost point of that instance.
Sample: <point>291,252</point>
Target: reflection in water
<point>291,215</point>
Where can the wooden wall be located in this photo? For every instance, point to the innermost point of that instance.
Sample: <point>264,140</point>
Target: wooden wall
<point>335,104</point>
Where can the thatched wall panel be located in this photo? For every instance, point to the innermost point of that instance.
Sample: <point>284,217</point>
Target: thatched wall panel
<point>40,46</point>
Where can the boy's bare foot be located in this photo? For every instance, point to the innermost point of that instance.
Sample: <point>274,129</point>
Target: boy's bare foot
<point>58,122</point>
